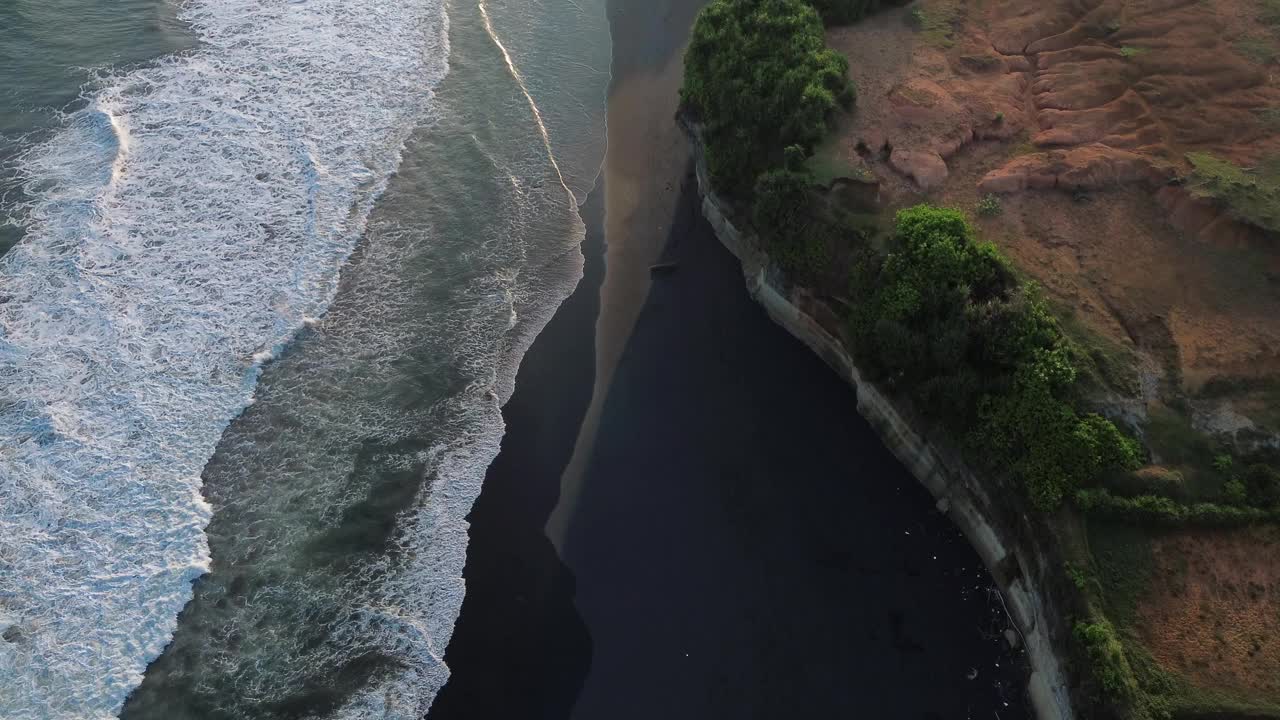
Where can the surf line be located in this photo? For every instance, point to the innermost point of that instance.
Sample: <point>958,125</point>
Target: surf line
<point>537,114</point>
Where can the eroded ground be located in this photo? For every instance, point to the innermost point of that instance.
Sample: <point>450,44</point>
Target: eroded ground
<point>1079,116</point>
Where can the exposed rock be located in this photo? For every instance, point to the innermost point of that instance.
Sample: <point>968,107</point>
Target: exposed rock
<point>927,169</point>
<point>1011,637</point>
<point>1089,167</point>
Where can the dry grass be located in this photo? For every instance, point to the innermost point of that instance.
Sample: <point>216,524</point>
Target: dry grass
<point>1212,611</point>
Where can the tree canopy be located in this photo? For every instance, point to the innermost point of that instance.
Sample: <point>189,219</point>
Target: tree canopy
<point>760,78</point>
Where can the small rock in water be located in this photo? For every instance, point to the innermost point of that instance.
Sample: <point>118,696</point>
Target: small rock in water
<point>1011,637</point>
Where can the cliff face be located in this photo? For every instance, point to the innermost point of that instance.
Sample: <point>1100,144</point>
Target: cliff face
<point>1021,555</point>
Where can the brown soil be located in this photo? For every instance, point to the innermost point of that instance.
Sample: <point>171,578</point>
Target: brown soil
<point>1039,101</point>
<point>1214,618</point>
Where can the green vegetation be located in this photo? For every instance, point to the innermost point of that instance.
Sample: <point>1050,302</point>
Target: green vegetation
<point>989,205</point>
<point>1269,12</point>
<point>828,164</point>
<point>1130,52</point>
<point>782,213</point>
<point>935,20</point>
<point>760,78</point>
<point>943,319</point>
<point>1259,50</point>
<point>1106,653</point>
<point>843,12</point>
<point>1253,194</point>
<point>1164,512</point>
<point>1102,364</point>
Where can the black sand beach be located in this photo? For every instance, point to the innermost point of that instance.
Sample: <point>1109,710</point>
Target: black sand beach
<point>738,543</point>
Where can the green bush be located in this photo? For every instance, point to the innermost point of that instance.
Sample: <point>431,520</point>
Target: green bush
<point>1262,485</point>
<point>1106,656</point>
<point>760,78</point>
<point>989,205</point>
<point>1166,512</point>
<point>944,319</point>
<point>781,204</point>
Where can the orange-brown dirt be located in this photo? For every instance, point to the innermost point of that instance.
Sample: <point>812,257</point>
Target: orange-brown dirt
<point>1213,616</point>
<point>1078,114</point>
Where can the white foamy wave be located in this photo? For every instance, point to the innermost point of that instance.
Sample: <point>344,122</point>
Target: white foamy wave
<point>183,226</point>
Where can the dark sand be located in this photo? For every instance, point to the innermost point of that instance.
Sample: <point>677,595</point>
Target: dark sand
<point>741,545</point>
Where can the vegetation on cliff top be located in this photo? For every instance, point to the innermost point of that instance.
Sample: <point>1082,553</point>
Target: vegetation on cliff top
<point>940,317</point>
<point>943,318</point>
<point>1252,194</point>
<point>759,76</point>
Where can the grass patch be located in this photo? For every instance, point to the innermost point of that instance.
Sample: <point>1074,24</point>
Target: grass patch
<point>1132,52</point>
<point>1252,194</point>
<point>1024,147</point>
<point>1124,564</point>
<point>1269,117</point>
<point>936,20</point>
<point>1102,362</point>
<point>1259,50</point>
<point>1269,12</point>
<point>828,164</point>
<point>1172,439</point>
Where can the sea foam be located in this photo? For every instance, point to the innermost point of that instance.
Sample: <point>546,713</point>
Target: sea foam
<point>183,226</point>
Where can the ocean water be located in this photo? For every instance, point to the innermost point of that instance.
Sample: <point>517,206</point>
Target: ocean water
<point>277,266</point>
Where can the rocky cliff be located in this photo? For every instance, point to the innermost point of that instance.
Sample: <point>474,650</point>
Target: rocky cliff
<point>1021,554</point>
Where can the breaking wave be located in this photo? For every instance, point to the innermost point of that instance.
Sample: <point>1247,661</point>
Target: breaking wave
<point>180,229</point>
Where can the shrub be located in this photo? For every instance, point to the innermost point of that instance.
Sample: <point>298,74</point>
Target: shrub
<point>989,205</point>
<point>785,219</point>
<point>1262,485</point>
<point>760,77</point>
<point>1234,492</point>
<point>1165,512</point>
<point>781,205</point>
<point>1110,667</point>
<point>944,319</point>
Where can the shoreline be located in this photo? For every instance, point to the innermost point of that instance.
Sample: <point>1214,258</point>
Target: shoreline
<point>519,647</point>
